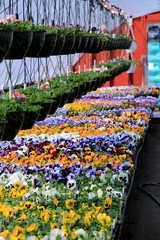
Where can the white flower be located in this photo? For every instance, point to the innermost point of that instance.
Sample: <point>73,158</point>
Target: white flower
<point>109,189</point>
<point>100,193</point>
<point>81,234</point>
<point>103,178</point>
<point>91,195</point>
<point>2,238</point>
<point>31,238</point>
<point>117,194</point>
<point>123,177</point>
<point>45,238</point>
<point>57,233</point>
<point>71,184</point>
<point>93,186</point>
<point>113,179</point>
<point>51,193</point>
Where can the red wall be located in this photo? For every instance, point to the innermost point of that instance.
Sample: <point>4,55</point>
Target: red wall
<point>140,26</point>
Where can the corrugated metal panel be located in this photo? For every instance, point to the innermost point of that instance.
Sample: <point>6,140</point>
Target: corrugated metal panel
<point>137,8</point>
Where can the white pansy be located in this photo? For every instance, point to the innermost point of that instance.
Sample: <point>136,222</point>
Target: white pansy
<point>109,189</point>
<point>113,179</point>
<point>51,193</point>
<point>93,186</point>
<point>99,193</point>
<point>45,238</point>
<point>81,234</point>
<point>2,238</point>
<point>55,233</point>
<point>91,195</point>
<point>31,238</point>
<point>123,177</point>
<point>103,178</point>
<point>71,184</point>
<point>117,194</point>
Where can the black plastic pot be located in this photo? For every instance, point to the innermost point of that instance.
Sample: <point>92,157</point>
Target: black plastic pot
<point>55,104</point>
<point>68,45</point>
<point>64,98</point>
<point>89,44</point>
<point>37,44</point>
<point>44,111</point>
<point>20,45</point>
<point>83,45</point>
<point>82,88</point>
<point>95,45</point>
<point>48,45</point>
<point>59,45</point>
<point>77,44</point>
<point>6,38</point>
<point>2,128</point>
<point>29,120</point>
<point>101,46</point>
<point>13,125</point>
<point>72,97</point>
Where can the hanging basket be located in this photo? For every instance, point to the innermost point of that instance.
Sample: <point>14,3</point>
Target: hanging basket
<point>59,45</point>
<point>20,45</point>
<point>83,45</point>
<point>44,111</point>
<point>77,44</point>
<point>55,104</point>
<point>68,45</point>
<point>15,121</point>
<point>64,98</point>
<point>6,38</point>
<point>132,47</point>
<point>95,45</point>
<point>82,88</point>
<point>89,44</point>
<point>37,44</point>
<point>101,46</point>
<point>29,120</point>
<point>48,45</point>
<point>131,69</point>
<point>2,128</point>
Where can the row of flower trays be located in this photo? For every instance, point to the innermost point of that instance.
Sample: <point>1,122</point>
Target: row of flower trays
<point>68,176</point>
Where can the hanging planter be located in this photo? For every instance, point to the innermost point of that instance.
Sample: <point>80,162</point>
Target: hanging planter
<point>132,48</point>
<point>6,37</point>
<point>95,45</point>
<point>49,45</point>
<point>59,45</point>
<point>82,88</point>
<point>68,45</point>
<point>44,111</point>
<point>89,44</point>
<point>15,121</point>
<point>55,104</point>
<point>29,119</point>
<point>2,128</point>
<point>131,69</point>
<point>76,44</point>
<point>64,98</point>
<point>83,45</point>
<point>101,46</point>
<point>37,44</point>
<point>20,44</point>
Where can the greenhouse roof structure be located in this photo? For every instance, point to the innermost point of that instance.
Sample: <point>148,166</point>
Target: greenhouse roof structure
<point>137,8</point>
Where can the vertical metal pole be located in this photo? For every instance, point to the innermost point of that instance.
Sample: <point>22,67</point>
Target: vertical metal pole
<point>38,74</point>
<point>46,68</point>
<point>10,79</point>
<point>25,82</point>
